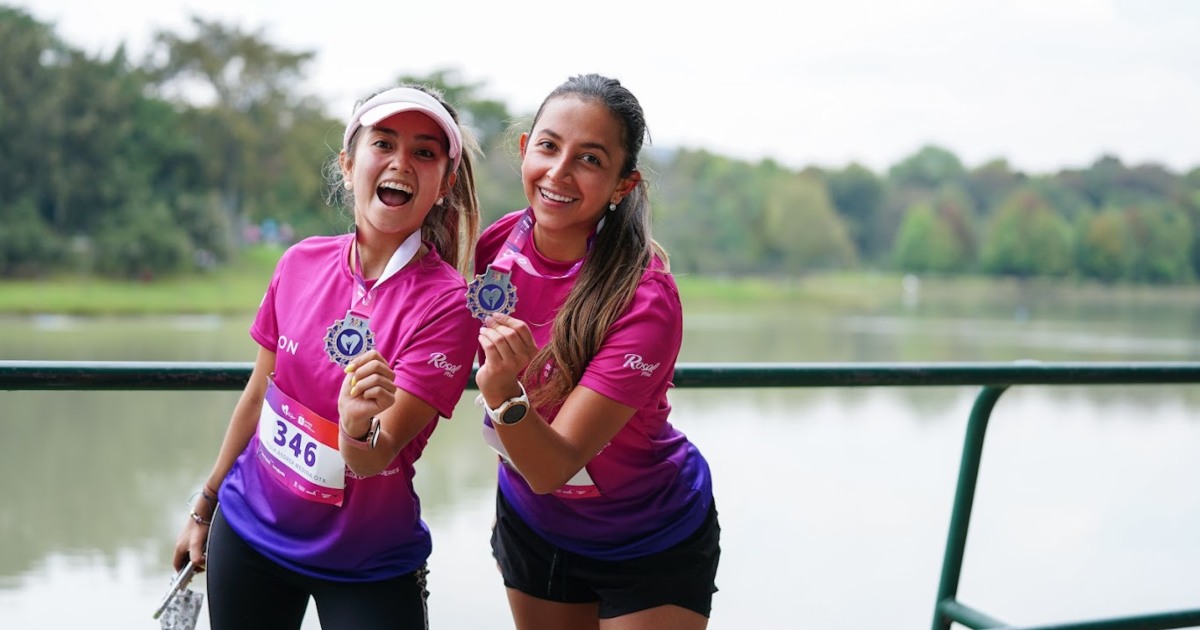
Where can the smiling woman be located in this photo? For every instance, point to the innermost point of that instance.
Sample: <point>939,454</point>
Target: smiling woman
<point>311,495</point>
<point>593,475</point>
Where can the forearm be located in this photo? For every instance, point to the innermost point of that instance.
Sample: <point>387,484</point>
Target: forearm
<point>243,427</point>
<point>403,421</point>
<point>546,455</point>
<point>364,445</point>
<point>546,459</point>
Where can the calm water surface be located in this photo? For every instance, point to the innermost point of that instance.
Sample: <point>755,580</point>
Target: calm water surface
<point>834,502</point>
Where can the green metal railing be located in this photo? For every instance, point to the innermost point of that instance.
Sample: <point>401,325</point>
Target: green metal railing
<point>994,378</point>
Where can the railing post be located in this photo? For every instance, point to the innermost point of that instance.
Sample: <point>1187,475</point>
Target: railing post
<point>964,498</point>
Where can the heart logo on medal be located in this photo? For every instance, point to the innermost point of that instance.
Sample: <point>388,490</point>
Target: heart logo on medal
<point>491,297</point>
<point>349,342</point>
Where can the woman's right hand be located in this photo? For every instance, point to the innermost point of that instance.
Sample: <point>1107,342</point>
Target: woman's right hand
<point>508,347</point>
<point>368,389</point>
<point>190,545</point>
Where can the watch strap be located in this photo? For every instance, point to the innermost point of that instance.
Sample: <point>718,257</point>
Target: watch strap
<point>497,414</point>
<point>367,441</point>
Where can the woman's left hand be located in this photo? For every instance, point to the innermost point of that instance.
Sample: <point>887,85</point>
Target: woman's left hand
<point>368,389</point>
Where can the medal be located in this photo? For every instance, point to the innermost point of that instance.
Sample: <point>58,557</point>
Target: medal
<point>347,338</point>
<point>351,336</point>
<point>491,292</point>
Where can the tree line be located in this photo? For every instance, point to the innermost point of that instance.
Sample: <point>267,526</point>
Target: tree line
<point>174,162</point>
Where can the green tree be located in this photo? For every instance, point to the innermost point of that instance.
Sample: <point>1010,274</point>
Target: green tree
<point>1066,201</point>
<point>992,182</point>
<point>858,195</point>
<point>1105,249</point>
<point>1162,237</point>
<point>240,109</point>
<point>205,226</point>
<point>1189,202</point>
<point>1026,238</point>
<point>955,209</point>
<point>1110,182</point>
<point>928,243</point>
<point>144,243</point>
<point>99,140</point>
<point>29,87</point>
<point>709,209</point>
<point>28,247</point>
<point>79,138</point>
<point>801,230</point>
<point>299,194</point>
<point>931,167</point>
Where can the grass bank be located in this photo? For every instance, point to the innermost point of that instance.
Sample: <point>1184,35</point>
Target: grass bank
<point>235,289</point>
<point>238,288</point>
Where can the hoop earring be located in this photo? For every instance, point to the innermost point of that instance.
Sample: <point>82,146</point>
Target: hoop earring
<point>612,206</point>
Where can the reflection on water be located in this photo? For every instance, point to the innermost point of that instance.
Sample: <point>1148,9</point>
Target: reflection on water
<point>830,498</point>
<point>1023,338</point>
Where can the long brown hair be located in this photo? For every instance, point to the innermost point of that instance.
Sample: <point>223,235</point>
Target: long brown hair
<point>620,254</point>
<point>451,226</point>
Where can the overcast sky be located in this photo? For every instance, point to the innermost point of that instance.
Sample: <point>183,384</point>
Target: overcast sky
<point>1046,84</point>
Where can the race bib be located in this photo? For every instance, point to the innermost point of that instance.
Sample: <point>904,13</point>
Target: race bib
<point>300,448</point>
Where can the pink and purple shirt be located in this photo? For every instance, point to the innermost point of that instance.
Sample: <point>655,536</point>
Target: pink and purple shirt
<point>422,326</point>
<point>650,488</point>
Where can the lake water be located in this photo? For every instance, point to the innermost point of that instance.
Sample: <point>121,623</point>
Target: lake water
<point>834,502</point>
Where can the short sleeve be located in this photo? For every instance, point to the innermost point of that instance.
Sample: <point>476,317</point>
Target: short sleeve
<point>636,362</point>
<point>435,363</point>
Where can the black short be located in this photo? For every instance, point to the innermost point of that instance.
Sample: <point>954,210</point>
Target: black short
<point>684,575</point>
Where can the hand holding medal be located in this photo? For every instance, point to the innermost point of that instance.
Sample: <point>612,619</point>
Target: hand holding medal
<point>508,347</point>
<point>368,389</point>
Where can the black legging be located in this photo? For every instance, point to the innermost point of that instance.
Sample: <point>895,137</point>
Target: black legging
<point>248,590</point>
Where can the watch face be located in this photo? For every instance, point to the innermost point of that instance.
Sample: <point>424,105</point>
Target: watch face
<point>514,413</point>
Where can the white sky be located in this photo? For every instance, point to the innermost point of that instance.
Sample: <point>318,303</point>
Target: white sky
<point>1047,84</point>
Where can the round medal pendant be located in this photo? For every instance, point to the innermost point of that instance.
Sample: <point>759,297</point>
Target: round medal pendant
<point>347,338</point>
<point>491,292</point>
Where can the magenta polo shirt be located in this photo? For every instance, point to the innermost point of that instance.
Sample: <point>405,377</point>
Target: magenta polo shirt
<point>422,326</point>
<point>652,487</point>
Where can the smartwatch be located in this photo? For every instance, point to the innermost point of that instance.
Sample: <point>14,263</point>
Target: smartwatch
<point>510,411</point>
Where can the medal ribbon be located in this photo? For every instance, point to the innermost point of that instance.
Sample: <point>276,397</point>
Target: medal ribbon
<point>493,291</point>
<point>511,252</point>
<point>363,302</point>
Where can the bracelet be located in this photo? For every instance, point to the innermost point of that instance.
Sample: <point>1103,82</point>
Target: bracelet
<point>211,499</point>
<point>367,441</point>
<point>200,520</point>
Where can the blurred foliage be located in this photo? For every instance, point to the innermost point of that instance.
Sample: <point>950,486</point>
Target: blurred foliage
<point>177,163</point>
<point>1027,238</point>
